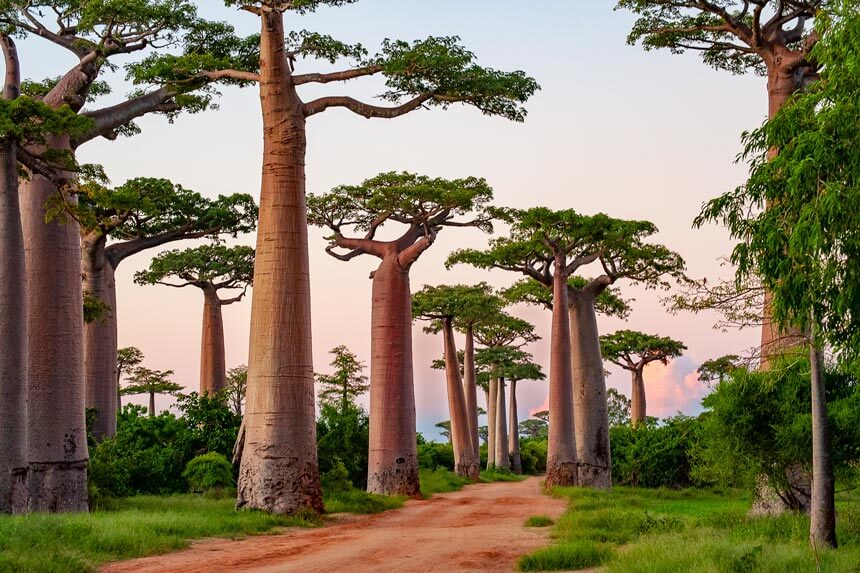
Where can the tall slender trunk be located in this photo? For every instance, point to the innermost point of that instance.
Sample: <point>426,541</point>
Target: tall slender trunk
<point>502,460</point>
<point>513,432</point>
<point>487,402</point>
<point>393,456</point>
<point>465,462</point>
<point>637,409</point>
<point>100,338</point>
<point>589,394</point>
<point>493,397</point>
<point>278,470</point>
<point>152,404</point>
<point>561,464</point>
<point>213,362</point>
<point>471,392</point>
<point>822,526</point>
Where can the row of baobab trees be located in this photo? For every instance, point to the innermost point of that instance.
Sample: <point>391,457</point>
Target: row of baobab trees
<point>177,59</point>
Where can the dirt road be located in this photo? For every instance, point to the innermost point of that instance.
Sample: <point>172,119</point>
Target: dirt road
<point>479,528</point>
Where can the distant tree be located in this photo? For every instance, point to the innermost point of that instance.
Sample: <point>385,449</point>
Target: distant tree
<point>211,268</point>
<point>127,359</point>
<point>237,385</point>
<point>619,407</point>
<point>484,434</point>
<point>445,429</point>
<point>533,429</point>
<point>633,351</point>
<point>424,206</point>
<point>716,369</point>
<point>348,381</point>
<point>146,381</point>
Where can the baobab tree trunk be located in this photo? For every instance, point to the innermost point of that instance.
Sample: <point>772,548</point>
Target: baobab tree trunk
<point>465,462</point>
<point>213,362</point>
<point>513,432</point>
<point>822,526</point>
<point>502,460</point>
<point>278,471</point>
<point>13,319</point>
<point>492,399</point>
<point>637,409</point>
<point>393,456</point>
<point>57,445</point>
<point>589,394</point>
<point>152,404</point>
<point>100,338</point>
<point>470,389</point>
<point>561,464</point>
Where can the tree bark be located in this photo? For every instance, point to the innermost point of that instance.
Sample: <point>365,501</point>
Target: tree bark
<point>152,404</point>
<point>822,526</point>
<point>637,409</point>
<point>393,456</point>
<point>589,394</point>
<point>513,432</point>
<point>213,362</point>
<point>278,470</point>
<point>13,319</point>
<point>502,460</point>
<point>471,392</point>
<point>57,446</point>
<point>562,463</point>
<point>465,462</point>
<point>100,339</point>
<point>493,398</point>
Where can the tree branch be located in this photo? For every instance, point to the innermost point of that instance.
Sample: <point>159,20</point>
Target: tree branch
<point>336,76</point>
<point>107,120</point>
<point>117,252</point>
<point>363,109</point>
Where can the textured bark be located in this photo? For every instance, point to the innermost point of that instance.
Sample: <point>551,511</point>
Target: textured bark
<point>151,404</point>
<point>514,435</point>
<point>470,389</point>
<point>57,446</point>
<point>589,394</point>
<point>501,447</point>
<point>492,399</point>
<point>100,339</point>
<point>465,462</point>
<point>393,456</point>
<point>278,470</point>
<point>822,526</point>
<point>561,464</point>
<point>637,408</point>
<point>213,362</point>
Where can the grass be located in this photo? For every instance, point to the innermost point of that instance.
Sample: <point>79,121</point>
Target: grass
<point>358,501</point>
<point>539,521</point>
<point>666,531</point>
<point>440,481</point>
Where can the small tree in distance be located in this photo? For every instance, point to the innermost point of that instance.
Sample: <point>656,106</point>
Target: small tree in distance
<point>127,359</point>
<point>716,369</point>
<point>347,383</point>
<point>237,383</point>
<point>146,381</point>
<point>619,407</point>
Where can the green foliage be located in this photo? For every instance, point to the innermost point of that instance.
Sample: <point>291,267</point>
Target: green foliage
<point>343,438</point>
<point>619,407</point>
<point>208,471</point>
<point>630,349</point>
<point>28,121</point>
<point>570,556</point>
<point>464,305</point>
<point>237,385</point>
<point>212,265</point>
<point>440,480</point>
<point>539,521</point>
<point>357,501</point>
<point>652,455</point>
<point>94,307</point>
<point>337,478</point>
<point>533,429</point>
<point>432,455</point>
<point>531,291</point>
<point>716,369</point>
<point>144,380</point>
<point>533,456</point>
<point>346,384</point>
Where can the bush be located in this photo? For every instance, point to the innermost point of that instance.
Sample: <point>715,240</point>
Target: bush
<point>343,438</point>
<point>533,456</point>
<point>432,455</point>
<point>207,472</point>
<point>653,455</point>
<point>336,479</point>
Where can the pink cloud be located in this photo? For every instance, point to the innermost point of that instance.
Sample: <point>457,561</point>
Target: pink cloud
<point>673,387</point>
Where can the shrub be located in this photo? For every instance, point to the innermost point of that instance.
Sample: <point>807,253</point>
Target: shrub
<point>653,455</point>
<point>208,471</point>
<point>343,437</point>
<point>336,479</point>
<point>432,455</point>
<point>533,456</point>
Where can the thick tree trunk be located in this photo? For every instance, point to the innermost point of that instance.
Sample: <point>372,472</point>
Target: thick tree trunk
<point>822,526</point>
<point>513,432</point>
<point>561,464</point>
<point>213,362</point>
<point>470,389</point>
<point>100,339</point>
<point>13,331</point>
<point>637,409</point>
<point>502,460</point>
<point>589,394</point>
<point>393,456</point>
<point>465,462</point>
<point>492,399</point>
<point>278,470</point>
<point>57,446</point>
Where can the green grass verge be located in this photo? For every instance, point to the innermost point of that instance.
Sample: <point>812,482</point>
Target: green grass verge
<point>357,501</point>
<point>539,521</point>
<point>498,474</point>
<point>669,531</point>
<point>440,481</point>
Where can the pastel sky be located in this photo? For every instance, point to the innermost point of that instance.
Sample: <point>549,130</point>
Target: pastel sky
<point>615,129</point>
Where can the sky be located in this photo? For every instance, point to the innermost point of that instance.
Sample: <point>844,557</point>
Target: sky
<point>614,129</point>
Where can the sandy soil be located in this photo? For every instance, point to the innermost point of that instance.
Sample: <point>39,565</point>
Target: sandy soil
<point>479,528</point>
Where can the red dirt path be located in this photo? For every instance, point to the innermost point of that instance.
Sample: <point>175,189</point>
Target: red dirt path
<point>479,528</point>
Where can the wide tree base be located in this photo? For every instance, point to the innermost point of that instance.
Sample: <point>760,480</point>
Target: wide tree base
<point>796,495</point>
<point>57,487</point>
<point>279,486</point>
<point>561,474</point>
<point>399,480</point>
<point>596,477</point>
<point>469,470</point>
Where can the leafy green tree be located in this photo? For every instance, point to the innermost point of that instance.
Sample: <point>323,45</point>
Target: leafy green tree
<point>343,436</point>
<point>237,384</point>
<point>211,268</point>
<point>619,407</point>
<point>550,247</point>
<point>127,359</point>
<point>716,369</point>
<point>144,380</point>
<point>348,381</point>
<point>424,206</point>
<point>633,351</point>
<point>804,245</point>
<point>445,430</point>
<point>533,429</point>
<point>655,454</point>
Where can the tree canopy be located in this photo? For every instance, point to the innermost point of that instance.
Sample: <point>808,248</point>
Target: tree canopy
<point>463,305</point>
<point>530,291</point>
<point>716,369</point>
<point>633,350</point>
<point>147,381</point>
<point>346,383</point>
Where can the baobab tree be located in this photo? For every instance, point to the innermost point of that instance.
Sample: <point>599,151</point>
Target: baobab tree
<point>424,206</point>
<point>127,359</point>
<point>211,268</point>
<point>237,383</point>
<point>88,32</point>
<point>633,351</point>
<point>549,247</point>
<point>767,37</point>
<point>147,381</point>
<point>716,369</point>
<point>141,214</point>
<point>341,388</point>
